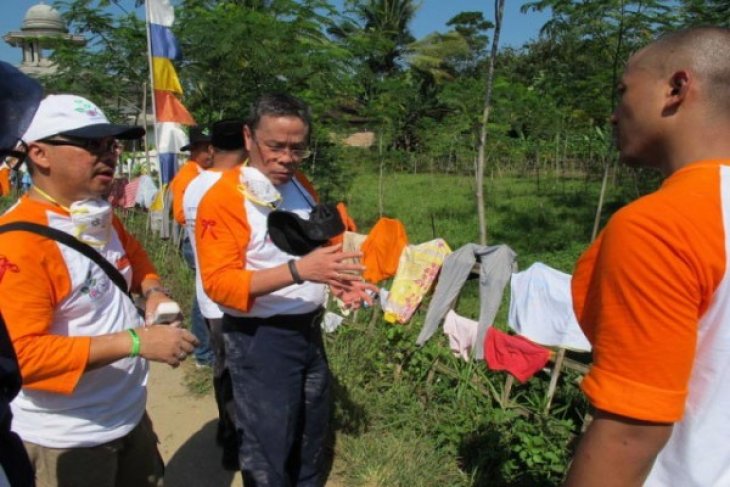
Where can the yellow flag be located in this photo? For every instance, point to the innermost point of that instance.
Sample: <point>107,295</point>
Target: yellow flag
<point>164,75</point>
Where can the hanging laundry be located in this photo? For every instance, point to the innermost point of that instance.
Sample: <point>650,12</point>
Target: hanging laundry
<point>159,214</point>
<point>116,192</point>
<point>130,193</point>
<point>514,354</point>
<point>462,333</point>
<point>541,308</point>
<point>331,321</point>
<point>352,242</point>
<point>417,269</point>
<point>382,249</point>
<point>496,264</point>
<point>146,191</point>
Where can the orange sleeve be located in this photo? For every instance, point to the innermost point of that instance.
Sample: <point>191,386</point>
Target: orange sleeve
<point>222,235</point>
<point>142,266</point>
<point>178,185</point>
<point>33,280</point>
<point>637,296</point>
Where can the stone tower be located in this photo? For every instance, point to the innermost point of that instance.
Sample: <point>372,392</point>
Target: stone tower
<point>42,23</point>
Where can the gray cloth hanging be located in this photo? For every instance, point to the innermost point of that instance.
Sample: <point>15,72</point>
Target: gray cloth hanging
<point>496,265</point>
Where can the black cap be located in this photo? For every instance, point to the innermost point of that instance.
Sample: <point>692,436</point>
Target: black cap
<point>20,96</point>
<point>227,134</point>
<point>297,236</point>
<point>197,136</point>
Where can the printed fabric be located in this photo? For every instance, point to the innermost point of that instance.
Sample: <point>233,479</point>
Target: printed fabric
<point>130,193</point>
<point>417,269</point>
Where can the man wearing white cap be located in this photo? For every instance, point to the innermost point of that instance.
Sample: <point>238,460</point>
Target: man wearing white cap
<point>80,342</point>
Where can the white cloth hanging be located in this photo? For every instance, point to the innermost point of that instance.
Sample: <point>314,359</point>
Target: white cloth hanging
<point>541,308</point>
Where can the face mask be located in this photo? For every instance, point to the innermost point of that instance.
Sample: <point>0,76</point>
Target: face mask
<point>257,188</point>
<point>92,221</point>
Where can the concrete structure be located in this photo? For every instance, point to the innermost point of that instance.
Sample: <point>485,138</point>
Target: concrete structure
<point>42,26</point>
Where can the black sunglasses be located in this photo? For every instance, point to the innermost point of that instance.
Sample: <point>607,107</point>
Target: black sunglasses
<point>94,146</point>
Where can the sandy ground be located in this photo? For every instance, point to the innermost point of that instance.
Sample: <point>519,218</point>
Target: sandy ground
<point>186,426</point>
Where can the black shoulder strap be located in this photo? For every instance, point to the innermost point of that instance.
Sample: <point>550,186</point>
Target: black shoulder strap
<point>74,243</point>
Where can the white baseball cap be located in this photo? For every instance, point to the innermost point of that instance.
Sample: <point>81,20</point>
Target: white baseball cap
<point>75,116</point>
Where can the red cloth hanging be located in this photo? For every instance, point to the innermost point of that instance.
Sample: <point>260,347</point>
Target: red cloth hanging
<point>515,354</point>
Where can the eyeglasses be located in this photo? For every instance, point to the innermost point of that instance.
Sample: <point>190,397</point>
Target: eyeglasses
<point>94,146</point>
<point>280,150</point>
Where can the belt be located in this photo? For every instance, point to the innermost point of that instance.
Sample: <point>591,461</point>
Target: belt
<point>291,322</point>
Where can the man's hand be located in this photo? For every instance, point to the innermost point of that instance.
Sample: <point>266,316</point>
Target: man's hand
<point>168,344</point>
<point>354,293</point>
<point>328,265</point>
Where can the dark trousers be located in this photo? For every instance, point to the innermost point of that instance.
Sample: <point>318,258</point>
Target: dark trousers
<point>226,436</point>
<point>281,387</point>
<point>13,457</point>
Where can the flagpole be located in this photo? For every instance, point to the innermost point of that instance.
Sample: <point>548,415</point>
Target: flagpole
<point>152,91</point>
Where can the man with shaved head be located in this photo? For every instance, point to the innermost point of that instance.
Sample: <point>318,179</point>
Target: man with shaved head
<point>652,293</point>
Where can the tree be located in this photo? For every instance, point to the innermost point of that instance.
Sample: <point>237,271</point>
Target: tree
<point>473,28</point>
<point>583,43</point>
<point>498,13</point>
<point>112,68</point>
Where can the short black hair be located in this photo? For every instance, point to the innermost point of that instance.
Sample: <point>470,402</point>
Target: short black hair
<point>278,105</point>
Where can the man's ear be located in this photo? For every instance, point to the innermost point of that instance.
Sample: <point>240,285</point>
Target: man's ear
<point>679,84</point>
<point>38,156</point>
<point>247,137</point>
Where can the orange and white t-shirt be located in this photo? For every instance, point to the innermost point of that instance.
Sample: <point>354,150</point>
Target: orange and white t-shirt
<point>233,242</point>
<point>195,192</point>
<point>179,184</point>
<point>53,299</point>
<point>652,295</point>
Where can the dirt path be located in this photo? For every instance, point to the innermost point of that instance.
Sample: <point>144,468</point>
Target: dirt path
<point>186,426</point>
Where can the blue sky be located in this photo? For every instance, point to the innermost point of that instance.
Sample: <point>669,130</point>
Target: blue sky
<point>432,17</point>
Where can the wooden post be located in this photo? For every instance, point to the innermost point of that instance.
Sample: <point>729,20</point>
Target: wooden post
<point>508,383</point>
<point>554,379</point>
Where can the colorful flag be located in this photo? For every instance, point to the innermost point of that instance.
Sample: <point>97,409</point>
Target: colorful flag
<point>164,75</point>
<point>169,110</point>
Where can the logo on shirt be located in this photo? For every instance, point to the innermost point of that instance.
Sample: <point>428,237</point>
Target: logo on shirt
<point>94,287</point>
<point>208,225</point>
<point>6,265</point>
